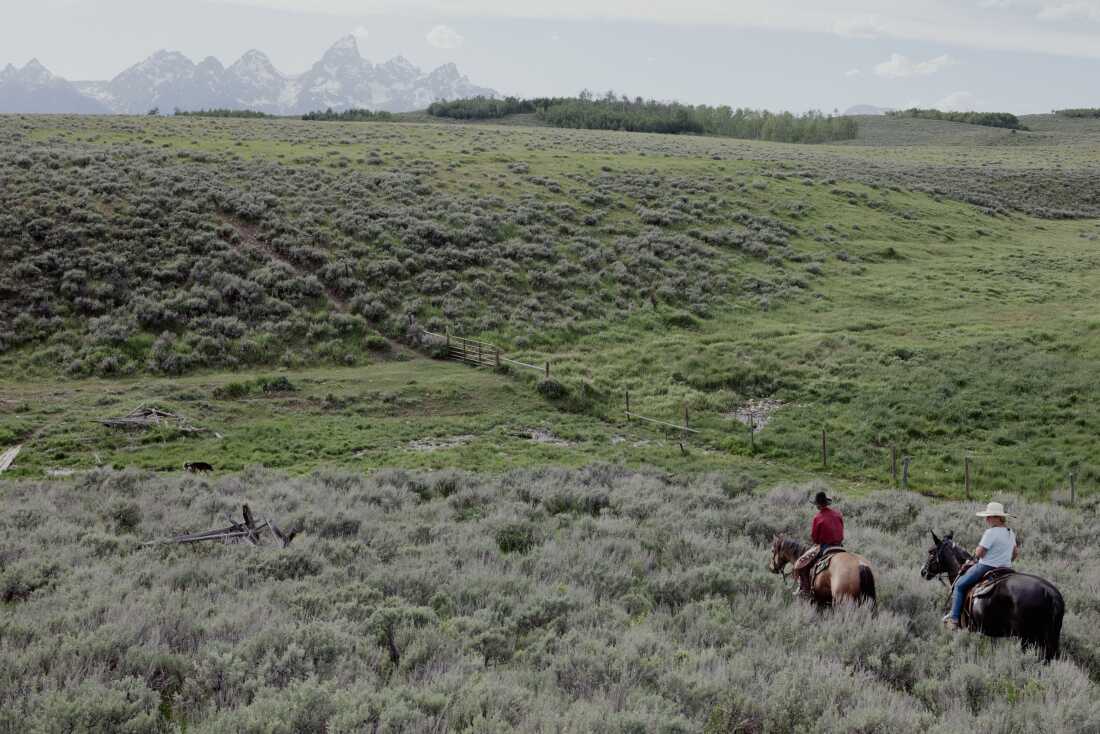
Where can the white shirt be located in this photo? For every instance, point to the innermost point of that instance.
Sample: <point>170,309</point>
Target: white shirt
<point>999,542</point>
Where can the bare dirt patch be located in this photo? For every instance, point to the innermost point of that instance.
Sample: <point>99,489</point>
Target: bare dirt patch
<point>440,444</point>
<point>755,413</point>
<point>545,437</point>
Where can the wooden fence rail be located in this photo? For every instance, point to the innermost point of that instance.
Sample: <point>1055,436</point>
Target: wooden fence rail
<point>677,426</point>
<point>479,353</point>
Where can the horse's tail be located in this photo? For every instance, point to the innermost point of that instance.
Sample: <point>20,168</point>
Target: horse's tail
<point>867,585</point>
<point>1053,641</point>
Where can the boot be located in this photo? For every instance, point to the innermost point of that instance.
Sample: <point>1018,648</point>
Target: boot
<point>804,591</point>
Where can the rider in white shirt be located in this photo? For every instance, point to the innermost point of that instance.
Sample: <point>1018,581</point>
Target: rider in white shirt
<point>996,549</point>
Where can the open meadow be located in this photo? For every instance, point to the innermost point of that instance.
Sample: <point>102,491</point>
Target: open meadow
<point>506,549</point>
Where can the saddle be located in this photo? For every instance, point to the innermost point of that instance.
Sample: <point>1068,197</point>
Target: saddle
<point>989,582</point>
<point>819,559</point>
<point>985,587</point>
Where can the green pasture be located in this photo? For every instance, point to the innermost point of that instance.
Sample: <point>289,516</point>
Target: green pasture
<point>908,321</point>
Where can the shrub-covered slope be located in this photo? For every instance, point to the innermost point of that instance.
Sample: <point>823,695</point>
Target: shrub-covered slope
<point>594,600</point>
<point>167,245</point>
<point>123,255</point>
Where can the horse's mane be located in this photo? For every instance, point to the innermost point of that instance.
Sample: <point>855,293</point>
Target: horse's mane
<point>791,545</point>
<point>961,554</point>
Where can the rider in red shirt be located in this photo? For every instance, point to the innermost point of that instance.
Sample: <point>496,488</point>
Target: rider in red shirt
<point>828,527</point>
<point>827,532</point>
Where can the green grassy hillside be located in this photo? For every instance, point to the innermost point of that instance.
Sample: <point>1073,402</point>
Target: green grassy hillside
<point>902,291</point>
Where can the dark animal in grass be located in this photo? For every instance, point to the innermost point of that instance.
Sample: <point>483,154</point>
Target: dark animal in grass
<point>848,577</point>
<point>1019,604</point>
<point>195,467</point>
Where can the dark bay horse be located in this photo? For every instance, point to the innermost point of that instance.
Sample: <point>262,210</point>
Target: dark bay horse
<point>848,577</point>
<point>1022,605</point>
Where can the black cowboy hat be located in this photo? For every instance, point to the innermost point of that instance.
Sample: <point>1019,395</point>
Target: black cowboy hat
<point>822,499</point>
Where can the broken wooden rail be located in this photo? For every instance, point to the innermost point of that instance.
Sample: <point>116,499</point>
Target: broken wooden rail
<point>245,531</point>
<point>8,457</point>
<point>143,418</point>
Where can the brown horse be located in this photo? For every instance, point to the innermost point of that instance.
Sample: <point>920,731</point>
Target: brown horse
<point>848,577</point>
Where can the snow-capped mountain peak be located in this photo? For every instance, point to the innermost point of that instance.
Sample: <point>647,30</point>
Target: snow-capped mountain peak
<point>341,79</point>
<point>35,89</point>
<point>211,64</point>
<point>347,43</point>
<point>34,74</point>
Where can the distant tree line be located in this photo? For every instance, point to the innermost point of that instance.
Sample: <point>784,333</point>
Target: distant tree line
<point>487,108</point>
<point>1079,112</point>
<point>350,115</point>
<point>641,115</point>
<point>221,112</point>
<point>988,119</point>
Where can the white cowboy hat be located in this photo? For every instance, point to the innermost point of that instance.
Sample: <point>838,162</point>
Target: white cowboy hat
<point>994,509</point>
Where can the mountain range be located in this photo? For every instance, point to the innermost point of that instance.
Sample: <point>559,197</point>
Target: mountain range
<point>341,79</point>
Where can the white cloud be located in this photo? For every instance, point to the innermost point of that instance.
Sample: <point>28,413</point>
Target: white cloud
<point>443,36</point>
<point>898,66</point>
<point>1008,25</point>
<point>852,73</point>
<point>360,32</point>
<point>957,102</point>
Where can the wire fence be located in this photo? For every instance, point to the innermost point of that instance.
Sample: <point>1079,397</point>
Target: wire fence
<point>901,463</point>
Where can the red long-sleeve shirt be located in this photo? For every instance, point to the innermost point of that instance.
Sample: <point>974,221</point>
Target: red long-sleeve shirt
<point>828,527</point>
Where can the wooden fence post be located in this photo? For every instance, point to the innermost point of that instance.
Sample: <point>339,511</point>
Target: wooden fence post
<point>627,406</point>
<point>547,370</point>
<point>1073,487</point>
<point>967,477</point>
<point>905,472</point>
<point>685,416</point>
<point>894,464</point>
<point>496,353</point>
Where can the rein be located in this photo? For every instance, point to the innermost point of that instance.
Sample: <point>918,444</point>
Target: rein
<point>794,549</point>
<point>939,557</point>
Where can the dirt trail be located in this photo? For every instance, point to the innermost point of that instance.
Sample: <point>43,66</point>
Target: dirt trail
<point>251,241</point>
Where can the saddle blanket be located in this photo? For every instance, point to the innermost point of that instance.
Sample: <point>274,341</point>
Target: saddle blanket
<point>989,582</point>
<point>826,558</point>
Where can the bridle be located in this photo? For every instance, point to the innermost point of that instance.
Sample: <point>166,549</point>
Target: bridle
<point>939,562</point>
<point>778,547</point>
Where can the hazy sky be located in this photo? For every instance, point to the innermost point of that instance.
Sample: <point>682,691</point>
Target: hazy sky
<point>1015,55</point>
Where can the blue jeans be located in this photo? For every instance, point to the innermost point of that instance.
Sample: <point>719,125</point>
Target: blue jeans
<point>963,584</point>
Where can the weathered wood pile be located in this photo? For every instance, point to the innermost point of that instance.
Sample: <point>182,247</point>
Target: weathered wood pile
<point>142,418</point>
<point>247,531</point>
<point>7,457</point>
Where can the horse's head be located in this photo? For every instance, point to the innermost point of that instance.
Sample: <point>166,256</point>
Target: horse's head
<point>778,559</point>
<point>938,554</point>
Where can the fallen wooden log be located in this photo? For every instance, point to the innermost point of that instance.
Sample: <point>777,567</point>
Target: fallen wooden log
<point>247,531</point>
<point>8,457</point>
